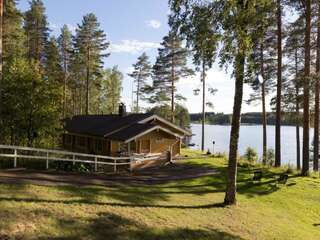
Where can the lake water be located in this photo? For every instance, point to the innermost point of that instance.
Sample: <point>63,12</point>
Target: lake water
<point>250,136</point>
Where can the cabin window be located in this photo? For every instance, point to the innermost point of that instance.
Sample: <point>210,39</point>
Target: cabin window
<point>99,146</point>
<point>81,141</point>
<point>67,139</point>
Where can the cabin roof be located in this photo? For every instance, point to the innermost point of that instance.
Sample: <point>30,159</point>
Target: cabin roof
<point>116,127</point>
<point>101,125</point>
<point>131,131</point>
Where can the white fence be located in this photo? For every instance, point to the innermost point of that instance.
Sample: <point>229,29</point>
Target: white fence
<point>47,155</point>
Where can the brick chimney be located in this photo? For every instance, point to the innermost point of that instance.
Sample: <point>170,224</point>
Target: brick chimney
<point>122,110</point>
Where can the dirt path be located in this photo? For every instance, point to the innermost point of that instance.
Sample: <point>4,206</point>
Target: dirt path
<point>177,171</point>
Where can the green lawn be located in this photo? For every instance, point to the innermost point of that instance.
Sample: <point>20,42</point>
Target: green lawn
<point>188,209</point>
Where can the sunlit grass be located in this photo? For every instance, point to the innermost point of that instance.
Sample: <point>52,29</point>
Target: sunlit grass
<point>186,209</point>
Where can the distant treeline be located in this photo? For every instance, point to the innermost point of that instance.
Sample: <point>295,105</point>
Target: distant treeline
<point>246,118</point>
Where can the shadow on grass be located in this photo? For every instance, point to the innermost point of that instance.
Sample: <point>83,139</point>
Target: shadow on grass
<point>112,204</point>
<point>146,195</point>
<point>112,226</point>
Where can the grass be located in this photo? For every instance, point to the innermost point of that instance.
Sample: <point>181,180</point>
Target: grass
<point>187,209</point>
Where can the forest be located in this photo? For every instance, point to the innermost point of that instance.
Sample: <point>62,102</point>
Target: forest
<point>288,119</point>
<point>47,79</point>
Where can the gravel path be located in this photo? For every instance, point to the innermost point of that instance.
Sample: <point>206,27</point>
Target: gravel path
<point>176,171</point>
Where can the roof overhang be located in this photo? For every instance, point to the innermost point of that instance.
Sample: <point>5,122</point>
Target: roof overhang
<point>155,117</point>
<point>151,130</point>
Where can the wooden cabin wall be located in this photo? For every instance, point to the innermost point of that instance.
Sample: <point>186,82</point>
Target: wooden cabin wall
<point>160,142</point>
<point>85,144</point>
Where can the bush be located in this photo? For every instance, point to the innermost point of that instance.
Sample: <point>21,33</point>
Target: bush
<point>251,155</point>
<point>270,157</point>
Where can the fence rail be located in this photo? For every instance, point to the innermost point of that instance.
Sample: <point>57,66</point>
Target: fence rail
<point>65,156</point>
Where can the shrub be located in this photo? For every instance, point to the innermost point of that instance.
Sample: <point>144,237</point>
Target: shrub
<point>270,157</point>
<point>251,155</point>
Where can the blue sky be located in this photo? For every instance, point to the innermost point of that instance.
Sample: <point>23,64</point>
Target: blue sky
<point>134,26</point>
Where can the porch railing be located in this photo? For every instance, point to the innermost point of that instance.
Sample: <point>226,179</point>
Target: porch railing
<point>16,152</point>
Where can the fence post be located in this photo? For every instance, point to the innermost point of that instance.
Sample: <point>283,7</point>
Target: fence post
<point>95,164</point>
<point>73,158</point>
<point>15,158</point>
<point>115,166</point>
<point>47,162</point>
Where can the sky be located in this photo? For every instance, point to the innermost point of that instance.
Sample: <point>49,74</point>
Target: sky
<point>133,27</point>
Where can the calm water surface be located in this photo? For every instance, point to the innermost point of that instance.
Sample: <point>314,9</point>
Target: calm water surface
<point>250,136</point>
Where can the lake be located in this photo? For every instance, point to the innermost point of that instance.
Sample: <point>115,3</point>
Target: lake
<point>250,136</point>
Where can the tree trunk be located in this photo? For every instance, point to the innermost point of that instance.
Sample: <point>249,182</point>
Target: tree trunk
<point>279,88</point>
<point>316,104</point>
<point>172,88</point>
<point>230,197</point>
<point>306,88</point>
<point>138,92</point>
<point>297,112</point>
<point>65,77</point>
<point>264,114</point>
<point>87,81</point>
<point>1,37</point>
<point>203,103</point>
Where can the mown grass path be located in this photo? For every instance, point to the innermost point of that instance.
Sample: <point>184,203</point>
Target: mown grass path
<point>180,209</point>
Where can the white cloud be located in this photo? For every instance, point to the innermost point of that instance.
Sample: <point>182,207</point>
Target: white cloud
<point>153,23</point>
<point>132,46</point>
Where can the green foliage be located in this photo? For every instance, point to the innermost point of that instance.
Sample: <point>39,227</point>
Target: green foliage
<point>182,117</point>
<point>90,47</point>
<point>13,33</point>
<point>37,31</point>
<point>141,73</point>
<point>251,155</point>
<point>29,110</point>
<point>270,157</point>
<point>170,67</point>
<point>109,92</point>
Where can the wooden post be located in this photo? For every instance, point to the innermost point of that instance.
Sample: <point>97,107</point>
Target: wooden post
<point>73,157</point>
<point>15,158</point>
<point>47,162</point>
<point>95,164</point>
<point>115,166</point>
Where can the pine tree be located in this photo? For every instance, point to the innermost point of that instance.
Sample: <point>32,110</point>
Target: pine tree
<point>306,89</point>
<point>37,31</point>
<point>279,86</point>
<point>1,38</point>
<point>170,66</point>
<point>317,101</point>
<point>238,20</point>
<point>13,33</point>
<point>66,48</point>
<point>141,73</point>
<point>90,44</point>
<point>52,64</point>
<point>264,64</point>
<point>202,37</point>
<point>294,51</point>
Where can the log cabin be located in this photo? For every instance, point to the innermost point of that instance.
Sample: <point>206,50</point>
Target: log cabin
<point>123,134</point>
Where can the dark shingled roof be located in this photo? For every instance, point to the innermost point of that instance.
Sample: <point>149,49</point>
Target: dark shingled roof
<point>101,125</point>
<point>131,131</point>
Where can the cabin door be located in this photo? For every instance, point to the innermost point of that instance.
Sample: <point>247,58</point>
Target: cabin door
<point>145,146</point>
